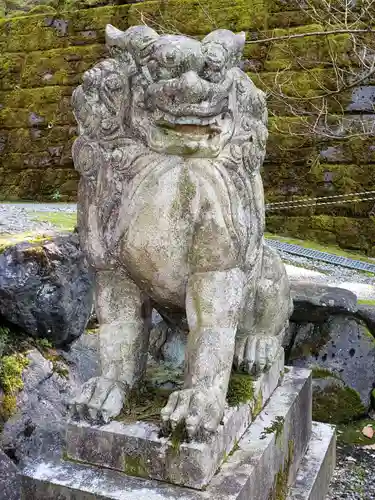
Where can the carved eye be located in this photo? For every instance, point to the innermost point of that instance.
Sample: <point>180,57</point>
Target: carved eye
<point>160,71</point>
<point>215,57</point>
<point>113,82</point>
<point>169,57</point>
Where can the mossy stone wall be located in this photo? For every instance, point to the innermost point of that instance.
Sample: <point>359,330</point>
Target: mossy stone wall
<point>45,48</point>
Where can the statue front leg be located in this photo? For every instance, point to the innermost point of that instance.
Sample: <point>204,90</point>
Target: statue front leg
<point>213,305</point>
<point>123,336</point>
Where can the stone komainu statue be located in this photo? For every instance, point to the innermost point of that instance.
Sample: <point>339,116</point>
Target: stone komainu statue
<point>172,135</point>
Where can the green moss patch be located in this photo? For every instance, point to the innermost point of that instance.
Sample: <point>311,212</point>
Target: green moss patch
<point>11,369</point>
<point>193,17</point>
<point>337,405</point>
<point>61,220</point>
<point>9,240</point>
<point>351,433</point>
<point>318,372</point>
<point>366,302</point>
<point>144,403</point>
<point>135,466</point>
<point>240,389</point>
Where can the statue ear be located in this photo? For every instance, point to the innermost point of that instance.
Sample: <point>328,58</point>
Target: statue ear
<point>241,39</point>
<point>115,37</point>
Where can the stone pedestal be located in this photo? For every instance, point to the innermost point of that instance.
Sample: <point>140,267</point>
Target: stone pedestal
<point>137,449</point>
<point>280,455</point>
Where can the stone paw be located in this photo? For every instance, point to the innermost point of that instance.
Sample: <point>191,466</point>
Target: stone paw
<point>99,401</point>
<point>256,353</point>
<point>199,412</point>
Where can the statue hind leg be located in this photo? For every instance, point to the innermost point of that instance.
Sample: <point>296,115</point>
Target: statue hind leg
<point>123,311</point>
<point>265,315</point>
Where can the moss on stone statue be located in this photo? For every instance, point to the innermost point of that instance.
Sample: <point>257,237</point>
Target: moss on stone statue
<point>144,403</point>
<point>240,389</point>
<point>179,435</point>
<point>337,405</point>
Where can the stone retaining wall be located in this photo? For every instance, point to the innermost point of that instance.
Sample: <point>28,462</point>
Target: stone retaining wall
<point>44,54</point>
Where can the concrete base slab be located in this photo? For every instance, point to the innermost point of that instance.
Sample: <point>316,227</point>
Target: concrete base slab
<point>316,469</point>
<point>137,449</point>
<point>264,462</point>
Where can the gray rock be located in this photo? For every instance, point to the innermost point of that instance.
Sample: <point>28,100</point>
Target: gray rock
<point>367,314</point>
<point>314,302</point>
<point>46,289</point>
<point>343,346</point>
<point>38,426</point>
<point>10,483</point>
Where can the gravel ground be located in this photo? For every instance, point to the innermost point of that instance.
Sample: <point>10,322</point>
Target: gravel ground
<point>354,476</point>
<point>328,272</point>
<point>18,217</point>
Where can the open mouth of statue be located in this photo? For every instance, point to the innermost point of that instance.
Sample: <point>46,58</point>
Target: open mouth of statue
<point>193,125</point>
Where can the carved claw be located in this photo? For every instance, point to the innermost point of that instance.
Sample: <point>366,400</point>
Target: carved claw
<point>199,411</point>
<point>256,353</point>
<point>99,401</point>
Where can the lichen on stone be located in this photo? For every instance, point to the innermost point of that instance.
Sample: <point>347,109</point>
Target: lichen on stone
<point>280,490</point>
<point>135,466</point>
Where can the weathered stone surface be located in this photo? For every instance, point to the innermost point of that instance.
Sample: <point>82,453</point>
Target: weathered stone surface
<point>367,314</point>
<point>172,136</point>
<point>39,422</point>
<point>137,448</point>
<point>342,346</point>
<point>46,288</point>
<point>10,482</point>
<point>316,469</point>
<point>315,303</point>
<point>272,447</point>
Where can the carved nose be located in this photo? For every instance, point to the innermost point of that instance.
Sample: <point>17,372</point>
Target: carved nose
<point>193,87</point>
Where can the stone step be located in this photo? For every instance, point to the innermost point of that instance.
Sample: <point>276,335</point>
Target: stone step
<point>264,462</point>
<point>317,465</point>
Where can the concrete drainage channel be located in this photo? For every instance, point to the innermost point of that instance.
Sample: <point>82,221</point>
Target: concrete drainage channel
<point>322,256</point>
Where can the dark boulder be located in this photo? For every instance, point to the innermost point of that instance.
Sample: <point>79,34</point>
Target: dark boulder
<point>46,288</point>
<point>330,334</point>
<point>315,303</point>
